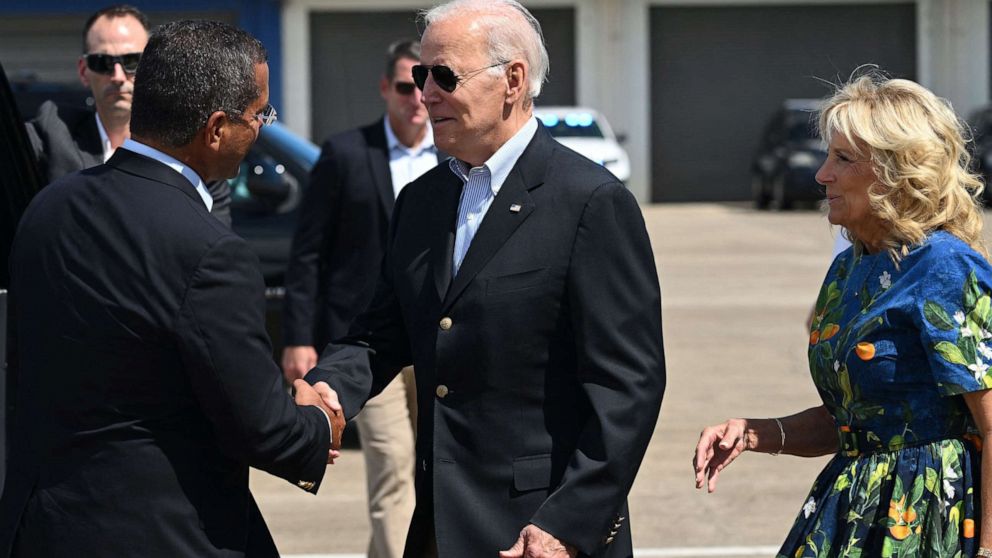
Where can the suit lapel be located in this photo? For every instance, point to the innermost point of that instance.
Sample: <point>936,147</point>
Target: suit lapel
<point>87,137</point>
<point>133,163</point>
<point>508,211</point>
<point>444,213</point>
<point>378,155</point>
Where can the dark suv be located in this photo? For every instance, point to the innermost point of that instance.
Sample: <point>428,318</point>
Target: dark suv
<point>981,126</point>
<point>790,153</point>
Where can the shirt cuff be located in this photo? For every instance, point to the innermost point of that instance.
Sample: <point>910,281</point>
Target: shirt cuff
<point>330,429</point>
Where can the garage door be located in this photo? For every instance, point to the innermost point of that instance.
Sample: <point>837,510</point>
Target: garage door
<point>719,73</point>
<point>346,61</point>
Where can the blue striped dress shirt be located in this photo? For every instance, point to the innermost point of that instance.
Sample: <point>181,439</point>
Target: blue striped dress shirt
<point>481,186</point>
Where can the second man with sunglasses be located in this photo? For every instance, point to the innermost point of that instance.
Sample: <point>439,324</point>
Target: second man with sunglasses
<point>67,139</point>
<point>337,249</point>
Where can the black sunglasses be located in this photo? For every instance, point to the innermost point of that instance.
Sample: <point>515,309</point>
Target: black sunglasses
<point>445,77</point>
<point>104,63</point>
<point>404,87</point>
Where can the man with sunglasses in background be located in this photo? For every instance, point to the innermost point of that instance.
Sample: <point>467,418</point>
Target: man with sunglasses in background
<point>520,282</point>
<point>338,246</point>
<point>68,139</point>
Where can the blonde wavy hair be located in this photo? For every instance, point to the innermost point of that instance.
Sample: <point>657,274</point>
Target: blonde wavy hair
<point>916,145</point>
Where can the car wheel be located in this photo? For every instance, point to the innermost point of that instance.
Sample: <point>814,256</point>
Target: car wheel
<point>758,192</point>
<point>779,200</point>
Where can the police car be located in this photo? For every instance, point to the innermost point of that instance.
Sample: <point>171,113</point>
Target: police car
<point>587,132</point>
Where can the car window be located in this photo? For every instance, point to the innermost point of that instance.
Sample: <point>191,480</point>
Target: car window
<point>272,175</point>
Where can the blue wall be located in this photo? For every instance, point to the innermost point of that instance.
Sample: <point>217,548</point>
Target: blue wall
<point>261,18</point>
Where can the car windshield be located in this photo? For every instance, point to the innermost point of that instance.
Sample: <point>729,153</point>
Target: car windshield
<point>571,125</point>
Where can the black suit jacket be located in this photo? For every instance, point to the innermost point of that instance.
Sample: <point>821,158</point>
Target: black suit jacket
<point>66,139</point>
<point>144,386</point>
<point>340,238</point>
<point>540,368</point>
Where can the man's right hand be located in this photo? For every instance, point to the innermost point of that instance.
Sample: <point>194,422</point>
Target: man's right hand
<point>318,396</point>
<point>297,360</point>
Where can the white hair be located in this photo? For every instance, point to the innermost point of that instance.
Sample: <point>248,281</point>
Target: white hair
<point>507,38</point>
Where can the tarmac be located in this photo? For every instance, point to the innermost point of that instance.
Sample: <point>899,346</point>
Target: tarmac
<point>737,285</point>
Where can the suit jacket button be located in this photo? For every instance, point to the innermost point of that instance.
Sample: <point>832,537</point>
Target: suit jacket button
<point>442,391</point>
<point>305,485</point>
<point>608,540</point>
<point>446,323</point>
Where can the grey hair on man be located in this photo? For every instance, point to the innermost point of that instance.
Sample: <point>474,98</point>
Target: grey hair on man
<point>507,38</point>
<point>179,84</point>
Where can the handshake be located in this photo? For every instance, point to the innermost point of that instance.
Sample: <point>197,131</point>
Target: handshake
<point>321,395</point>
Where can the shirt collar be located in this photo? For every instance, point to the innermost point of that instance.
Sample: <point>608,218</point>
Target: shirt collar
<point>174,164</point>
<point>394,143</point>
<point>501,162</point>
<point>108,149</point>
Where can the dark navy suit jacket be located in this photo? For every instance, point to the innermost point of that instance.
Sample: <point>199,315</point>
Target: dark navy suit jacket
<point>143,382</point>
<point>539,367</point>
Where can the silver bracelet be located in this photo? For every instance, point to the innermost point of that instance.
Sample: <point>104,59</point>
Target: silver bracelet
<point>781,431</point>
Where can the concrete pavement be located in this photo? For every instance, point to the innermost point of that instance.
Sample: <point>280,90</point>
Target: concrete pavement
<point>736,287</point>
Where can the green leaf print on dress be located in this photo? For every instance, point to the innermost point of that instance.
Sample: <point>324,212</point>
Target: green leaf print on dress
<point>972,325</point>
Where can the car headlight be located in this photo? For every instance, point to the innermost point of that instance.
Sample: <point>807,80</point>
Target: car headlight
<point>802,159</point>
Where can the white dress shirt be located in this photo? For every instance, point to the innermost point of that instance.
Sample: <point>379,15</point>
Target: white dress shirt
<point>406,164</point>
<point>108,149</point>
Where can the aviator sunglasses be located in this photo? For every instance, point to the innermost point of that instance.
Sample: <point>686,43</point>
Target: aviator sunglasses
<point>445,77</point>
<point>104,63</point>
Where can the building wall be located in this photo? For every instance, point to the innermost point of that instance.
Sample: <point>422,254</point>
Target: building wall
<point>615,57</point>
<point>44,37</point>
<point>719,73</point>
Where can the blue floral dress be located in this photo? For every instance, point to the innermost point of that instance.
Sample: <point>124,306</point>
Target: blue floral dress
<point>892,348</point>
